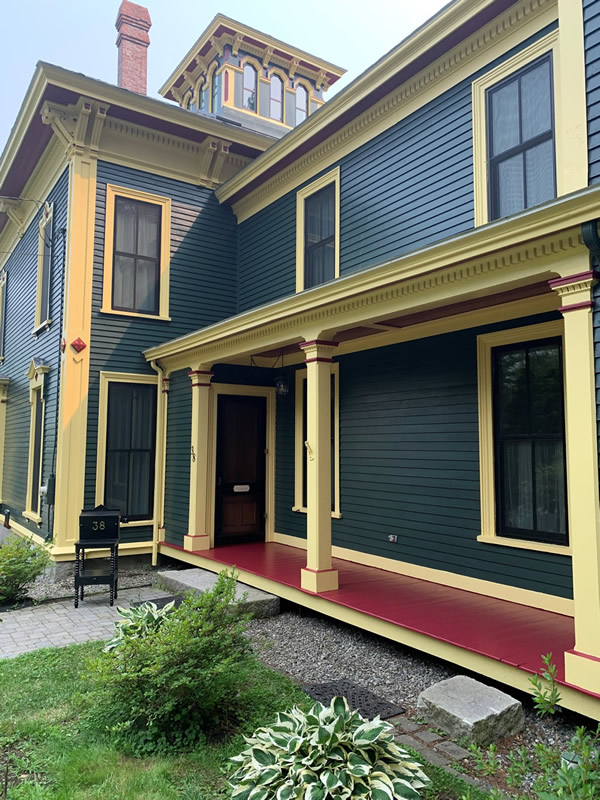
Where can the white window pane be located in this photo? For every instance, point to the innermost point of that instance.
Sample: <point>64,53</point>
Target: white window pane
<point>123,282</point>
<point>125,223</point>
<point>535,101</point>
<point>539,169</point>
<point>505,118</point>
<point>511,193</point>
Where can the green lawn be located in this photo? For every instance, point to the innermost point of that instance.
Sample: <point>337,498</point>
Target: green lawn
<point>51,753</point>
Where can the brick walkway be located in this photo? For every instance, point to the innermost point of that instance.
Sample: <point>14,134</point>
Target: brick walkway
<point>57,624</point>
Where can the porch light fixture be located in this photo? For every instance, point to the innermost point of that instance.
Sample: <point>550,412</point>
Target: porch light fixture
<point>282,385</point>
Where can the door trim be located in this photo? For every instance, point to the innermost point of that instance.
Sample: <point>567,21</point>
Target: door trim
<point>268,392</point>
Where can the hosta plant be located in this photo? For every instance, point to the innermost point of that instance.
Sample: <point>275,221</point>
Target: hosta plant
<point>138,622</point>
<point>329,752</point>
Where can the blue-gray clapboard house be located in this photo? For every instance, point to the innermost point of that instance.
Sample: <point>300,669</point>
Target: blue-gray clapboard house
<point>346,346</point>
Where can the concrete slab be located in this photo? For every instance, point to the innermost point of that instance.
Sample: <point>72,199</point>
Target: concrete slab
<point>464,707</point>
<point>180,581</point>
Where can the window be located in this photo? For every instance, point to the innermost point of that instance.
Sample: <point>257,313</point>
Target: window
<point>276,98</point>
<point>137,249</point>
<point>36,375</point>
<point>300,502</point>
<point>249,88</point>
<point>301,103</point>
<point>317,231</point>
<point>520,122</point>
<point>522,439</point>
<point>3,275</point>
<point>42,307</point>
<point>529,441</point>
<point>214,93</point>
<point>126,445</point>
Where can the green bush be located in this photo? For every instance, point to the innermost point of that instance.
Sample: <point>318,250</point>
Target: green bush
<point>326,753</point>
<point>168,689</point>
<point>138,622</point>
<point>21,562</point>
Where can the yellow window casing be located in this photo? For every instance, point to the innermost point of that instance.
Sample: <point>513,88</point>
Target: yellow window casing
<point>333,176</point>
<point>42,315</point>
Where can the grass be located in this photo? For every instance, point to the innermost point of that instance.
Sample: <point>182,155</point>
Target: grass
<point>51,753</point>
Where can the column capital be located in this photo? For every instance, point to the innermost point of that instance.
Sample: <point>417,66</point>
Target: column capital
<point>318,350</point>
<point>575,291</point>
<point>200,377</point>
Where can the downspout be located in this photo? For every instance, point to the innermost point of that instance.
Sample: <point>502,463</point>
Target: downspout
<point>591,238</point>
<point>159,461</point>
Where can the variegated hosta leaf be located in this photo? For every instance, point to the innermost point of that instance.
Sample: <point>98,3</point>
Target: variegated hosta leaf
<point>404,790</point>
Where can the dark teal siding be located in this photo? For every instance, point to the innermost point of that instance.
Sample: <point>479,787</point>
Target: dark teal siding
<point>177,472</point>
<point>202,277</point>
<point>21,347</point>
<point>591,28</point>
<point>409,464</point>
<point>408,187</point>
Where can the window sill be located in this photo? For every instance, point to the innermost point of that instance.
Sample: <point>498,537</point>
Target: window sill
<point>32,517</point>
<point>138,523</point>
<point>43,326</point>
<point>302,510</point>
<point>523,544</point>
<point>134,314</point>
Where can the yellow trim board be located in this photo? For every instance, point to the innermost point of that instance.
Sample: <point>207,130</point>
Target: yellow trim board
<point>164,203</point>
<point>333,176</point>
<point>36,376</point>
<point>106,378</point>
<point>501,591</point>
<point>496,670</point>
<point>300,445</point>
<point>485,344</point>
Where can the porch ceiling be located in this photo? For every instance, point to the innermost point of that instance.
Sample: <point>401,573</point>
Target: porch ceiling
<point>503,264</point>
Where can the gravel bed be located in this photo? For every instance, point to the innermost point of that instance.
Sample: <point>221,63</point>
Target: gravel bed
<point>51,589</point>
<point>313,649</point>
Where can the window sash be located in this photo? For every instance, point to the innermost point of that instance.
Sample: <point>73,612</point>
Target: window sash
<point>44,288</point>
<point>142,267</point>
<point>525,481</point>
<point>319,247</point>
<point>277,100</point>
<point>301,104</point>
<point>130,455</point>
<point>249,91</point>
<point>37,418</point>
<point>3,280</point>
<point>531,192</point>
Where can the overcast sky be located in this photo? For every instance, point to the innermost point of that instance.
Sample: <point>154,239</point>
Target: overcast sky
<point>80,35</point>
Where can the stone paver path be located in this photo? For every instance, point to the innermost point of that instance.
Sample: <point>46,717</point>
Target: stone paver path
<point>58,624</point>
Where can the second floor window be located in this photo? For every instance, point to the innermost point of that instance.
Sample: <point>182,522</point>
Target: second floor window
<point>136,256</point>
<point>250,83</point>
<point>301,104</point>
<point>214,93</point>
<point>520,133</point>
<point>276,98</point>
<point>319,237</point>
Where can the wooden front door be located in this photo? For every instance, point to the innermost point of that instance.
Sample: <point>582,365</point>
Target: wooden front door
<point>240,484</point>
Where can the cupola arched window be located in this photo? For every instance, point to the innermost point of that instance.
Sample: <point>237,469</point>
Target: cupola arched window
<point>250,82</point>
<point>276,98</point>
<point>301,104</point>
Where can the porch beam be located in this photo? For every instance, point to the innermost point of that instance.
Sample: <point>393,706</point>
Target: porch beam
<point>582,663</point>
<point>318,575</point>
<point>198,537</point>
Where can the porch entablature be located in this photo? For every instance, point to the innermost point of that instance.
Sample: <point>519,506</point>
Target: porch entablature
<point>507,261</point>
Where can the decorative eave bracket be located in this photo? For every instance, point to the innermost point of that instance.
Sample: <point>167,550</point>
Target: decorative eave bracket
<point>78,127</point>
<point>13,208</point>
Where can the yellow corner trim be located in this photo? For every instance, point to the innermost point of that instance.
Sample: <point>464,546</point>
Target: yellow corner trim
<point>164,203</point>
<point>333,176</point>
<point>485,343</point>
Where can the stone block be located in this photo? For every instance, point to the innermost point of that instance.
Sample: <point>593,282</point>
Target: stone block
<point>453,751</point>
<point>465,707</point>
<point>180,581</point>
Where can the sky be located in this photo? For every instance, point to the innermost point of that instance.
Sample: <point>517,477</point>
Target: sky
<point>80,35</point>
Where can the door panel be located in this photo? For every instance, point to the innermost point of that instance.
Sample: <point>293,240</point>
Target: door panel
<point>240,489</point>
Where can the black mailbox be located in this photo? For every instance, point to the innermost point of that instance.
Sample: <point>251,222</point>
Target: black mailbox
<point>99,524</point>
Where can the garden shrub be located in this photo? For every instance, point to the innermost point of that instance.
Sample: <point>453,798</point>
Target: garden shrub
<point>170,688</point>
<point>21,562</point>
<point>138,622</point>
<point>329,752</point>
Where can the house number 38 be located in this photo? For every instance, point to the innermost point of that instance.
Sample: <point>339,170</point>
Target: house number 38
<point>98,526</point>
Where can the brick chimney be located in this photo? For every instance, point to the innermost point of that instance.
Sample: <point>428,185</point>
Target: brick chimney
<point>133,23</point>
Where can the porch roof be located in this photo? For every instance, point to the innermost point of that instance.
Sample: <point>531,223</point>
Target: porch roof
<point>505,255</point>
<point>498,638</point>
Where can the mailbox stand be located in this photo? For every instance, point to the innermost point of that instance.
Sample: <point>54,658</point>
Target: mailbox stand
<point>98,528</point>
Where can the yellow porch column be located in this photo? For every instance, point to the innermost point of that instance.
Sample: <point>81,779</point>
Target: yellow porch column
<point>582,664</point>
<point>318,576</point>
<point>198,537</point>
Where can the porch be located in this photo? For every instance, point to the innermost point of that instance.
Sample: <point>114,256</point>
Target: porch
<point>500,639</point>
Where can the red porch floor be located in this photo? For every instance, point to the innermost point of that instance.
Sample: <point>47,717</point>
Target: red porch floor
<point>507,632</point>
